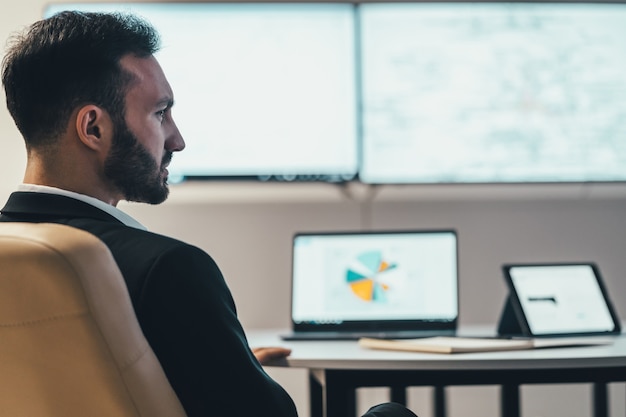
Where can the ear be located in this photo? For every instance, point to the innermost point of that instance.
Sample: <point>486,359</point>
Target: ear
<point>94,127</point>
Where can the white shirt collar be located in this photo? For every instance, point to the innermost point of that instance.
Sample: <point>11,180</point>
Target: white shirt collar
<point>113,211</point>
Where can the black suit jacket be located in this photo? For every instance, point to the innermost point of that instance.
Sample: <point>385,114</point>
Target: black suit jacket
<point>184,307</point>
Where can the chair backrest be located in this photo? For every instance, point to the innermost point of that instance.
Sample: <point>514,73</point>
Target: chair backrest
<point>70,343</point>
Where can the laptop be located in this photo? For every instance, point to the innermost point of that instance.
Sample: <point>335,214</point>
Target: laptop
<point>384,284</point>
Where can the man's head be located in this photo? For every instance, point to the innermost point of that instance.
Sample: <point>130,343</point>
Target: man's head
<point>96,68</point>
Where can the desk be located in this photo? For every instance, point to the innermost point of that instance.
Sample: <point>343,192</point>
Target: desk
<point>337,368</point>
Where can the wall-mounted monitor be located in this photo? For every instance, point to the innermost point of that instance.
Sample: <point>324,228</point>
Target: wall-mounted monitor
<point>263,90</point>
<point>530,92</point>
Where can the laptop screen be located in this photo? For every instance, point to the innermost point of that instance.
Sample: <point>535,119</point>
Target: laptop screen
<point>358,280</point>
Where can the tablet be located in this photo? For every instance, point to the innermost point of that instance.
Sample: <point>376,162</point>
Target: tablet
<point>564,299</point>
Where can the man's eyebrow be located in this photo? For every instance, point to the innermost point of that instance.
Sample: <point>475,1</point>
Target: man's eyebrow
<point>166,101</point>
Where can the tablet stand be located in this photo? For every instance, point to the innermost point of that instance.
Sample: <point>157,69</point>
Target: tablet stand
<point>509,324</point>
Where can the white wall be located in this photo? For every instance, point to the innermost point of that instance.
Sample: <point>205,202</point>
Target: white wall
<point>247,228</point>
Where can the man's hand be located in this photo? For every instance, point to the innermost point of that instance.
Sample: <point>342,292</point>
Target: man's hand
<point>267,355</point>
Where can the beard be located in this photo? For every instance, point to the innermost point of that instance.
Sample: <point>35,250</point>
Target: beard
<point>133,171</point>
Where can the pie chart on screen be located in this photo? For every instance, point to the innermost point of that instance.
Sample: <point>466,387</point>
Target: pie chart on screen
<point>366,277</point>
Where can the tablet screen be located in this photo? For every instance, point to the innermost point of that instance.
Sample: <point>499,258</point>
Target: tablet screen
<point>561,299</point>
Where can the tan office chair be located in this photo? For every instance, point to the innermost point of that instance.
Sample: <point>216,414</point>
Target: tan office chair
<point>70,344</point>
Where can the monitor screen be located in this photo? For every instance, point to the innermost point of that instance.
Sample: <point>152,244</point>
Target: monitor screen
<point>263,91</point>
<point>493,92</point>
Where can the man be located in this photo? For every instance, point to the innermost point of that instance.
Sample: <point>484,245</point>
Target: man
<point>94,108</point>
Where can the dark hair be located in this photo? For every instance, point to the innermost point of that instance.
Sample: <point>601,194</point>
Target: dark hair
<point>68,60</point>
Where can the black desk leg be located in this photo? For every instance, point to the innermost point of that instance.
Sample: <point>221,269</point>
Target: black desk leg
<point>398,394</point>
<point>439,401</point>
<point>509,400</point>
<point>600,400</point>
<point>316,397</point>
<point>340,398</point>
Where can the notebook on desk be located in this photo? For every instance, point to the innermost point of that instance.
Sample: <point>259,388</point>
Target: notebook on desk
<point>383,284</point>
